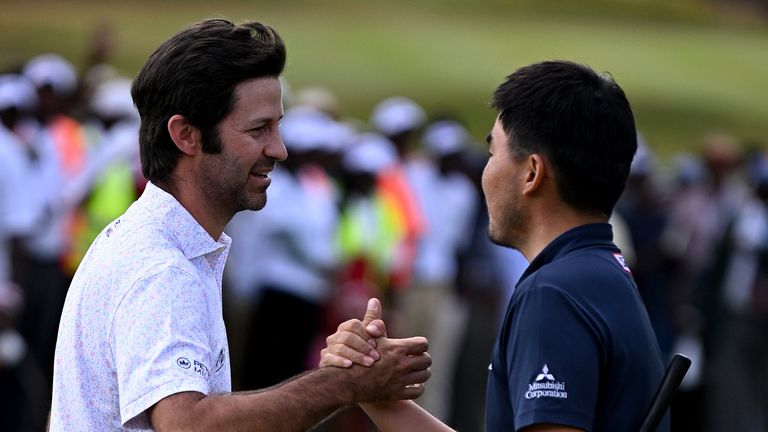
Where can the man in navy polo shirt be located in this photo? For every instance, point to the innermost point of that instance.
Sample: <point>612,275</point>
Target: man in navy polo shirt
<point>576,350</point>
<point>576,347</point>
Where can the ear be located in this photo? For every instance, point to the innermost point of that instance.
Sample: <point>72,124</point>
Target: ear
<point>186,136</point>
<point>536,172</point>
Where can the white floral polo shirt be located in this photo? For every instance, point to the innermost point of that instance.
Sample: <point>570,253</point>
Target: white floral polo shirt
<point>142,319</point>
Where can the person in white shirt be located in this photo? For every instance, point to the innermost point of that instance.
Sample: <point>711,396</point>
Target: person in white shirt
<point>142,342</point>
<point>18,209</point>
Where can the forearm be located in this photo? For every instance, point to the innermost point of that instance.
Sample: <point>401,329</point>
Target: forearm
<point>403,415</point>
<point>295,405</point>
<point>304,401</point>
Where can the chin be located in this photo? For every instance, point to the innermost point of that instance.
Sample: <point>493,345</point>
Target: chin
<point>498,239</point>
<point>494,237</point>
<point>257,205</point>
<point>253,203</point>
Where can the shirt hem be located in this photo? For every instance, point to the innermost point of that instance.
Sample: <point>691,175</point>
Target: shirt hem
<point>575,420</point>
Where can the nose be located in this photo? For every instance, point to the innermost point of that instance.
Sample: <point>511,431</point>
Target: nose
<point>275,148</point>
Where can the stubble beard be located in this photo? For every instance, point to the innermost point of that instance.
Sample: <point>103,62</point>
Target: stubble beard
<point>245,202</point>
<point>508,232</point>
<point>501,240</point>
<point>244,199</point>
<point>227,192</point>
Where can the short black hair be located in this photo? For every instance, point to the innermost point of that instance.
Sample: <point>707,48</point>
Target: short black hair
<point>194,74</point>
<point>580,120</point>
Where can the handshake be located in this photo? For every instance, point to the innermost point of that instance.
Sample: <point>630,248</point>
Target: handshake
<point>382,369</point>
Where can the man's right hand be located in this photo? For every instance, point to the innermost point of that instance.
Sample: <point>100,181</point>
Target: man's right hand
<point>399,366</point>
<point>399,374</point>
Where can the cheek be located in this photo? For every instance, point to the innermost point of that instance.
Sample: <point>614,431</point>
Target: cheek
<point>489,181</point>
<point>484,180</point>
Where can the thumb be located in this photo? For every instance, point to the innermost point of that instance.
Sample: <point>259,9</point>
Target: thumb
<point>373,312</point>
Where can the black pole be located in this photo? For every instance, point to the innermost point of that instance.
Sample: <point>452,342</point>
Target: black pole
<point>672,379</point>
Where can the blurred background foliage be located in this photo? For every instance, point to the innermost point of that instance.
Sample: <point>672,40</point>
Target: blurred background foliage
<point>689,67</point>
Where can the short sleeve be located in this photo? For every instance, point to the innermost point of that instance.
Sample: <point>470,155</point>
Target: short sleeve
<point>160,341</point>
<point>553,357</point>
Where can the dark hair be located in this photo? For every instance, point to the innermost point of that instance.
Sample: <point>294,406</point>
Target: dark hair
<point>580,121</point>
<point>194,74</point>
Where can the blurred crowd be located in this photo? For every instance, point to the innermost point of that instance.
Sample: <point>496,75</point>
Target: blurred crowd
<point>387,206</point>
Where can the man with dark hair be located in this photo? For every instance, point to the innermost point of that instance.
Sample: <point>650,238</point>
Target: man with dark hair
<point>576,350</point>
<point>142,343</point>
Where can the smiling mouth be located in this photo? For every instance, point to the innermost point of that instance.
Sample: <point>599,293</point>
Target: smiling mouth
<point>261,179</point>
<point>262,170</point>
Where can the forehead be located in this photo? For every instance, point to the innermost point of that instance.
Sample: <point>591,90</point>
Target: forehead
<point>259,98</point>
<point>498,137</point>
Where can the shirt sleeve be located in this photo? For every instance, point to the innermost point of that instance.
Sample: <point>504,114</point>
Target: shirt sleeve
<point>159,340</point>
<point>553,359</point>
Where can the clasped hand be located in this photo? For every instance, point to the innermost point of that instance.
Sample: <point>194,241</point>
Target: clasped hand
<point>399,363</point>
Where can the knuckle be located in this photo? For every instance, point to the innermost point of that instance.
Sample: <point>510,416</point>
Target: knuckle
<point>428,359</point>
<point>349,325</point>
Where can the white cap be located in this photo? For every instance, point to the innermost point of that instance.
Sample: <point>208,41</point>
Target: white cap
<point>344,133</point>
<point>302,128</point>
<point>445,137</point>
<point>112,98</point>
<point>370,153</point>
<point>53,70</point>
<point>17,92</point>
<point>305,128</point>
<point>396,115</point>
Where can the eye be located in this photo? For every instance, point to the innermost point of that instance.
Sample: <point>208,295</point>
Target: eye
<point>258,130</point>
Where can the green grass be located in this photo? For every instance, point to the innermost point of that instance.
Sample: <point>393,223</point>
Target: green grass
<point>686,69</point>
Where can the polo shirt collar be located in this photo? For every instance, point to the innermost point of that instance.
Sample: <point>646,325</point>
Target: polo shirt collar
<point>575,238</point>
<point>192,239</point>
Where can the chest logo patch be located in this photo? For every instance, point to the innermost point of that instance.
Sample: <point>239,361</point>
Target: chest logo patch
<point>622,262</point>
<point>183,362</point>
<point>545,385</point>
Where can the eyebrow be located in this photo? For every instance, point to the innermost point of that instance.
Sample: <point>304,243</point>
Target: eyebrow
<point>267,119</point>
<point>272,119</point>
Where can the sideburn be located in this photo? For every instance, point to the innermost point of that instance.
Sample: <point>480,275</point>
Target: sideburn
<point>211,140</point>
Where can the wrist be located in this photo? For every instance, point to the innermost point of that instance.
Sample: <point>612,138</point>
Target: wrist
<point>339,385</point>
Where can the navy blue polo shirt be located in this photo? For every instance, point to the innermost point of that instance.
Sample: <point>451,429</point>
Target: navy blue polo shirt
<point>576,347</point>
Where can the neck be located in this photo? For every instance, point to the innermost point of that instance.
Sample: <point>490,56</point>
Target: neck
<point>204,212</point>
<point>549,223</point>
